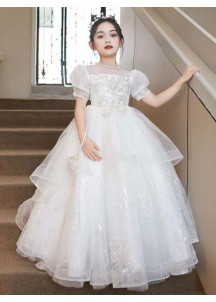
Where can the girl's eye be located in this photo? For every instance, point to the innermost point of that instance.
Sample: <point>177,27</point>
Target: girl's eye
<point>113,35</point>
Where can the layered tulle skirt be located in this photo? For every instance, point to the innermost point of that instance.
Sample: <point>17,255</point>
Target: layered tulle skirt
<point>125,220</point>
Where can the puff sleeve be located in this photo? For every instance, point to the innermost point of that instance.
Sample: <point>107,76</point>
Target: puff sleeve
<point>138,84</point>
<point>79,79</point>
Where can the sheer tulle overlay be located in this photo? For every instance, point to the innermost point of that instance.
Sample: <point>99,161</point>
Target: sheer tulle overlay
<point>125,220</point>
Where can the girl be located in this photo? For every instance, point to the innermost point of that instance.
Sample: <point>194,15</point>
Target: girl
<point>118,214</point>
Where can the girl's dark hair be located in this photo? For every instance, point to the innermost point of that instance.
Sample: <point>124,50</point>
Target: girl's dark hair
<point>107,19</point>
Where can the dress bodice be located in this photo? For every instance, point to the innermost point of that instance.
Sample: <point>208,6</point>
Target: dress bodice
<point>108,85</point>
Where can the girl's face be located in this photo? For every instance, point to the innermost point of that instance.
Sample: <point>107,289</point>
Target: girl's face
<point>106,34</point>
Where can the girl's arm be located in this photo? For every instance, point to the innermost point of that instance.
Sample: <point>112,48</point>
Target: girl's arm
<point>90,148</point>
<point>80,117</point>
<point>166,95</point>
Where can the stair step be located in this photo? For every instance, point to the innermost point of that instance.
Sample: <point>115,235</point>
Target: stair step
<point>20,162</point>
<point>32,118</point>
<point>29,138</point>
<point>40,111</point>
<point>9,232</point>
<point>38,104</point>
<point>11,152</point>
<point>27,130</point>
<point>14,189</point>
<point>7,215</point>
<point>14,180</point>
<point>11,180</point>
<point>13,262</point>
<point>19,276</point>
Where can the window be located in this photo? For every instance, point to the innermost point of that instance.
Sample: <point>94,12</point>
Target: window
<point>62,41</point>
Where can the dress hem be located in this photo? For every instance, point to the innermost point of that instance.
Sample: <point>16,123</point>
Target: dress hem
<point>128,286</point>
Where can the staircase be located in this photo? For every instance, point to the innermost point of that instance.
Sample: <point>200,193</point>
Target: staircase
<point>28,131</point>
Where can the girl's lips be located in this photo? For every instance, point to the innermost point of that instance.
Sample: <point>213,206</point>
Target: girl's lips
<point>108,47</point>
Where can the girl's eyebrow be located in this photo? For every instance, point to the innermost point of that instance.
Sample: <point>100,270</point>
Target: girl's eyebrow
<point>103,31</point>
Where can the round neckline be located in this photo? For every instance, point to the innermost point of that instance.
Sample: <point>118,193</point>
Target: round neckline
<point>108,66</point>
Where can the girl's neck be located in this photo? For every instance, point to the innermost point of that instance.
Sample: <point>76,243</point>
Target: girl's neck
<point>108,63</point>
<point>108,66</point>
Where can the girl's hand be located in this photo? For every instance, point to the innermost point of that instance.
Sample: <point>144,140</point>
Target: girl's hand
<point>189,72</point>
<point>90,148</point>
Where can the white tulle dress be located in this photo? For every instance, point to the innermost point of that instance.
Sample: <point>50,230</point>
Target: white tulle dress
<point>125,220</point>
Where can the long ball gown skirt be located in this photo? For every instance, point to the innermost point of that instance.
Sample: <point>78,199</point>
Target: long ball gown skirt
<point>125,220</point>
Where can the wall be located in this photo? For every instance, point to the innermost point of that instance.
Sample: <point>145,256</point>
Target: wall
<point>15,44</point>
<point>204,16</point>
<point>146,55</point>
<point>201,180</point>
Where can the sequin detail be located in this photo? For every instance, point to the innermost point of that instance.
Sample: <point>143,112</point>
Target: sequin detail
<point>115,92</point>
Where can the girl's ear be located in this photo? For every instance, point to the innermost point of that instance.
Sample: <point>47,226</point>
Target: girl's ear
<point>122,42</point>
<point>91,45</point>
